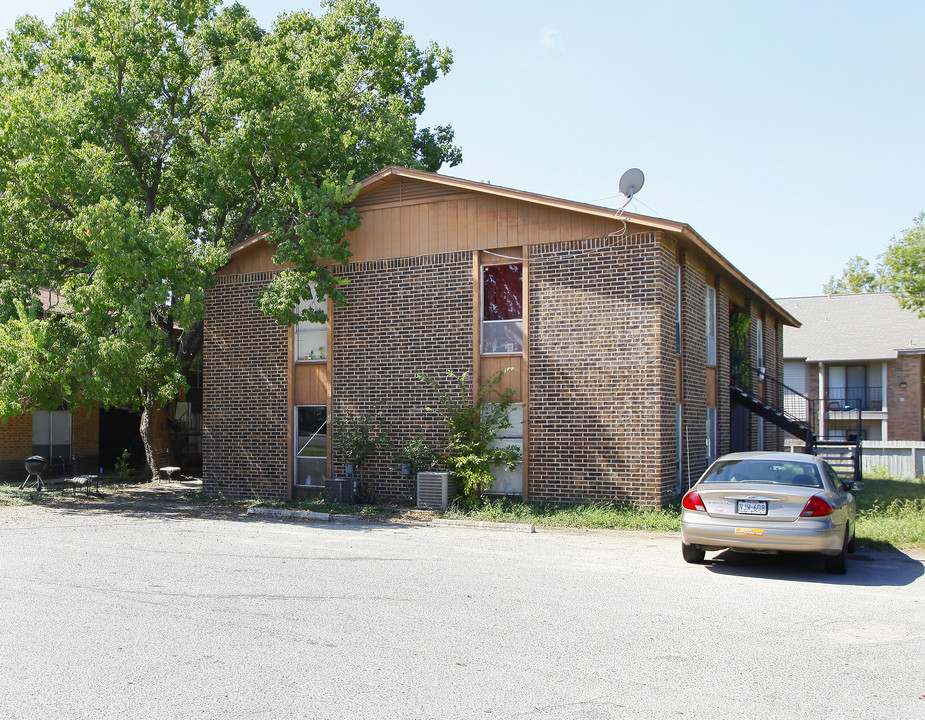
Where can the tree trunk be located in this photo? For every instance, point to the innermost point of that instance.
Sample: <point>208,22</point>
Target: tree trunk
<point>154,436</point>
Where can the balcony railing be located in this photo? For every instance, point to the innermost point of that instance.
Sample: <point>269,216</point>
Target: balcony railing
<point>838,399</point>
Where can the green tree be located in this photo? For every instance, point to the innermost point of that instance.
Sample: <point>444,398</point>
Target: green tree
<point>904,266</point>
<point>139,138</point>
<point>856,277</point>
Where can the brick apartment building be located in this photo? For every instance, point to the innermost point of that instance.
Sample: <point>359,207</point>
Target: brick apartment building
<point>857,354</point>
<point>83,441</point>
<point>617,330</point>
<point>59,436</point>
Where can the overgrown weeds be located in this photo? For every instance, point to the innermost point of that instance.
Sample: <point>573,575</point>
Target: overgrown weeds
<point>891,513</point>
<point>600,515</point>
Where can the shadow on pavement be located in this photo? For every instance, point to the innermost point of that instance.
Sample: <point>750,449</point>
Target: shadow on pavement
<point>866,568</point>
<point>169,501</point>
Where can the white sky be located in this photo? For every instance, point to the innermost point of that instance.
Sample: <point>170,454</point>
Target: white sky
<point>788,134</point>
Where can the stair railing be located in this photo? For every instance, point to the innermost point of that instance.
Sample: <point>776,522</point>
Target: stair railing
<point>768,390</point>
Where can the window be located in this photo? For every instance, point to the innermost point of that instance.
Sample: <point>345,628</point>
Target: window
<point>510,482</point>
<point>765,472</point>
<point>51,435</point>
<point>711,325</point>
<point>711,434</point>
<point>836,481</point>
<point>679,448</point>
<point>677,322</point>
<point>311,339</point>
<point>847,388</point>
<point>759,346</point>
<point>311,445</point>
<point>502,308</point>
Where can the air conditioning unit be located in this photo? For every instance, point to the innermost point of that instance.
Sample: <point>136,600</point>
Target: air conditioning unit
<point>436,490</point>
<point>339,491</point>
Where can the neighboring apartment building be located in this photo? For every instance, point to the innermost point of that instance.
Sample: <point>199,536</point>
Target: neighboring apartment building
<point>857,355</point>
<point>617,330</point>
<point>59,436</point>
<point>85,440</point>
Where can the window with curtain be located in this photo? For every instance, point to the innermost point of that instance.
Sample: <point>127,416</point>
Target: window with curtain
<point>502,308</point>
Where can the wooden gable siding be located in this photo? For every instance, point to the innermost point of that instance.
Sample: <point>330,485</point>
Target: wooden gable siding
<point>399,190</point>
<point>406,223</point>
<point>254,259</point>
<point>408,218</point>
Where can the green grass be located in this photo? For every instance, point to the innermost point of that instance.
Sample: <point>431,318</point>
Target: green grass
<point>606,516</point>
<point>12,495</point>
<point>891,514</point>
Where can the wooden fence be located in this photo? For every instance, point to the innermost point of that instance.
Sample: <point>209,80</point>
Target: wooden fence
<point>894,458</point>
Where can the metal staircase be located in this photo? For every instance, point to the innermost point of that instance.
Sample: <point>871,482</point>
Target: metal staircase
<point>843,455</point>
<point>786,408</point>
<point>765,396</point>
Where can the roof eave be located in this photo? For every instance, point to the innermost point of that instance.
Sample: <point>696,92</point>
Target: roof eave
<point>691,235</point>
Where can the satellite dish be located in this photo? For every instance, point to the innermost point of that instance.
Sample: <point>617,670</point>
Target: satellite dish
<point>631,182</point>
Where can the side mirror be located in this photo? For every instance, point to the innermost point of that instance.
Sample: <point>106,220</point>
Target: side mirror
<point>856,486</point>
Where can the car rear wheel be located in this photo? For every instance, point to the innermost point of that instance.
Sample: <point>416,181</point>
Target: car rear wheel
<point>852,544</point>
<point>838,564</point>
<point>692,554</point>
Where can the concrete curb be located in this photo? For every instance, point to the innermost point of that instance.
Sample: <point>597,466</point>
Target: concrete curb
<point>483,525</point>
<point>298,514</point>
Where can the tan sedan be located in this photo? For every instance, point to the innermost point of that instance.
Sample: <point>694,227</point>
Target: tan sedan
<point>770,503</point>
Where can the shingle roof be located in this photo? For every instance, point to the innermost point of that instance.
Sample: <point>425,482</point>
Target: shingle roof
<point>865,326</point>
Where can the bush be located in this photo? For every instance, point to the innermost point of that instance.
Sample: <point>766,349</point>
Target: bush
<point>473,424</point>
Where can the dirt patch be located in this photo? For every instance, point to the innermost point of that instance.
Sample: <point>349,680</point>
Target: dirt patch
<point>178,499</point>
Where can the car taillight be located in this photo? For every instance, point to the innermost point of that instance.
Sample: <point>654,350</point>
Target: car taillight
<point>692,501</point>
<point>817,507</point>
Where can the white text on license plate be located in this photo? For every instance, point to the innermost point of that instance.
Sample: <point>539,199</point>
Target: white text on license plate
<point>752,507</point>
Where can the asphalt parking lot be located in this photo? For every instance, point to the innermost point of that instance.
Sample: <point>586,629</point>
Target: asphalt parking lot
<point>157,611</point>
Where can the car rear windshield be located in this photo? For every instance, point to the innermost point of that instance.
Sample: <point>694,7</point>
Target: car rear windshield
<point>776,472</point>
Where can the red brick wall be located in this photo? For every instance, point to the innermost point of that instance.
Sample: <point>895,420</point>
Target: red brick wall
<point>694,350</point>
<point>601,397</point>
<point>402,317</point>
<point>85,440</point>
<point>245,405</point>
<point>905,418</point>
<point>16,443</point>
<point>723,440</point>
<point>15,446</point>
<point>597,408</point>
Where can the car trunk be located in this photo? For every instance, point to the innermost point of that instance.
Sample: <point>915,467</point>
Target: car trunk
<point>773,503</point>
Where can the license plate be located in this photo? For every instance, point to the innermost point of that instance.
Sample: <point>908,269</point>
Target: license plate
<point>752,507</point>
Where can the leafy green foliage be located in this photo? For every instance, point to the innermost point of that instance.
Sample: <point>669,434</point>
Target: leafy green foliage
<point>740,324</point>
<point>418,453</point>
<point>857,277</point>
<point>904,266</point>
<point>139,139</point>
<point>360,436</point>
<point>474,424</point>
<point>124,467</point>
